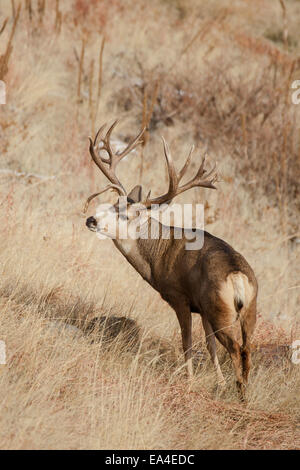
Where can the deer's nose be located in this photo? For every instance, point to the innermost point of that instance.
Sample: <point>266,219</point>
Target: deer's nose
<point>91,223</point>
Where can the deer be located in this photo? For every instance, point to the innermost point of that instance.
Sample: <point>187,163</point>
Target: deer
<point>214,281</point>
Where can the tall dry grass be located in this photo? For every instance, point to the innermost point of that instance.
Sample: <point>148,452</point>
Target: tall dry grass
<point>218,87</point>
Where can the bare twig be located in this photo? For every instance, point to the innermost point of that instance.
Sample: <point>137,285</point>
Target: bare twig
<point>29,8</point>
<point>20,174</point>
<point>58,17</point>
<point>75,54</point>
<point>13,8</point>
<point>3,26</point>
<point>285,24</point>
<point>4,59</point>
<point>91,104</point>
<point>41,9</point>
<point>201,33</point>
<point>100,74</point>
<point>245,134</point>
<point>80,70</point>
<point>153,101</point>
<point>146,118</point>
<point>145,111</point>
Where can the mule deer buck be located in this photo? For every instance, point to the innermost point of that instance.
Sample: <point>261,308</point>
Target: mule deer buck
<point>214,281</point>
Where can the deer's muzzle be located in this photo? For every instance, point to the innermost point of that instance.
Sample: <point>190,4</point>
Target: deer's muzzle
<point>91,223</point>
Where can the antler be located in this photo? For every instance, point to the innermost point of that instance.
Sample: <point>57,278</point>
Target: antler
<point>108,165</point>
<point>174,178</point>
<point>114,187</point>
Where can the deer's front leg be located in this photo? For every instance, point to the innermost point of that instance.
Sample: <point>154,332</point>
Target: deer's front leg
<point>185,320</point>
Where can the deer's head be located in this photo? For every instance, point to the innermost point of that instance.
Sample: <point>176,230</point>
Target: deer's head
<point>114,221</point>
<point>111,220</point>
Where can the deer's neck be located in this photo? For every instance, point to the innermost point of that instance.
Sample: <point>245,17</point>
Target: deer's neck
<point>142,252</point>
<point>129,248</point>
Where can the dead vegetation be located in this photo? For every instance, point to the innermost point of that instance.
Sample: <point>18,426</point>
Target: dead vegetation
<point>210,73</point>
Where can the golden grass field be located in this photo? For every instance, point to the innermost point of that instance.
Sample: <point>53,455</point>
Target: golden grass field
<point>217,74</point>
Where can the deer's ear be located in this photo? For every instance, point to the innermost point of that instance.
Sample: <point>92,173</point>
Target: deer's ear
<point>135,195</point>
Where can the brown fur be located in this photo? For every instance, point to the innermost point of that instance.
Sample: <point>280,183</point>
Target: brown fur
<point>215,281</point>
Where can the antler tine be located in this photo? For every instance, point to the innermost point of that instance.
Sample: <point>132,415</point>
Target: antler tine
<point>136,141</point>
<point>174,179</point>
<point>105,160</point>
<point>98,133</point>
<point>106,142</point>
<point>202,170</point>
<point>105,165</point>
<point>187,163</point>
<point>115,158</point>
<point>108,165</point>
<point>197,181</point>
<point>114,187</point>
<point>212,170</point>
<point>95,156</point>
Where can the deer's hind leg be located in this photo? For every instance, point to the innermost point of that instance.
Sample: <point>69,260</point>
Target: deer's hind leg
<point>212,349</point>
<point>223,320</point>
<point>229,342</point>
<point>248,321</point>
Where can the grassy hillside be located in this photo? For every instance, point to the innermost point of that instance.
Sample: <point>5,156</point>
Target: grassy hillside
<point>217,74</point>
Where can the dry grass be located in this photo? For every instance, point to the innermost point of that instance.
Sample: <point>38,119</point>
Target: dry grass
<point>219,86</point>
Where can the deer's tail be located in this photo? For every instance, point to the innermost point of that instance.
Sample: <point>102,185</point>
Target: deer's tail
<point>239,295</point>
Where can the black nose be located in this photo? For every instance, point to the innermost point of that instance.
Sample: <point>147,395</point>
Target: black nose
<point>91,223</point>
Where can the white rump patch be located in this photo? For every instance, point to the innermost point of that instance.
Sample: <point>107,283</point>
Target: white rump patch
<point>236,288</point>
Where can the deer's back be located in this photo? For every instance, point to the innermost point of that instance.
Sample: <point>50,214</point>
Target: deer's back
<point>178,273</point>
